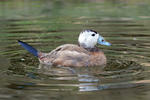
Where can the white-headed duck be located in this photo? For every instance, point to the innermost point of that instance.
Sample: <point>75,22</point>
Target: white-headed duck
<point>84,54</point>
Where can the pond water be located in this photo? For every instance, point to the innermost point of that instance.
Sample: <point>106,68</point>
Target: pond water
<point>46,24</point>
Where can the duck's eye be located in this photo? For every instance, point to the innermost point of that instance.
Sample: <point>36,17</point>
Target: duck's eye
<point>93,34</point>
<point>102,40</point>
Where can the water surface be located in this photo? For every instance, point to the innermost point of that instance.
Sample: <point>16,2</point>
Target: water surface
<point>47,24</point>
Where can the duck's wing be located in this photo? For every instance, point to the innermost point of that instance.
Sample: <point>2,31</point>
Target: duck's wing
<point>70,47</point>
<point>67,55</point>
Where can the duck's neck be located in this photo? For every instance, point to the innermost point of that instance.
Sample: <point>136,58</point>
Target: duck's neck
<point>95,49</point>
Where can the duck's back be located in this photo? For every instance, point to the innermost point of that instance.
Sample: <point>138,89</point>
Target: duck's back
<point>71,55</point>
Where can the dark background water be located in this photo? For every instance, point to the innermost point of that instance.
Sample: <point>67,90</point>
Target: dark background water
<point>46,24</point>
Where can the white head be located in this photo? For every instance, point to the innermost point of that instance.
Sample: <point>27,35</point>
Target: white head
<point>89,38</point>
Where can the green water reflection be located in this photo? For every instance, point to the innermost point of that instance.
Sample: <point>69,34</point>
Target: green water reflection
<point>47,24</point>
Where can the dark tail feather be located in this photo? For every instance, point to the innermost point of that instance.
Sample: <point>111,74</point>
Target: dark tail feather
<point>28,48</point>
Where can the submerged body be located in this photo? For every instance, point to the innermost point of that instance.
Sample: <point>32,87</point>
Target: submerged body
<point>73,55</point>
<point>84,54</point>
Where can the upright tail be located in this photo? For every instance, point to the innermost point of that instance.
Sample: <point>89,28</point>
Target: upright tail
<point>28,48</point>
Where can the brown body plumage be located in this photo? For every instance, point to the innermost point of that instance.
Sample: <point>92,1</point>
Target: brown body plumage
<point>73,55</point>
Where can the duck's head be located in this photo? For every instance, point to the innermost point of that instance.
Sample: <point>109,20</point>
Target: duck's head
<point>89,38</point>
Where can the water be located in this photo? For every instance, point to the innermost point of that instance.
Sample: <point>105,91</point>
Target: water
<point>47,24</point>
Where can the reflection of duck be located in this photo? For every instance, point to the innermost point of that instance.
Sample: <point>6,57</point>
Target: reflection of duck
<point>84,54</point>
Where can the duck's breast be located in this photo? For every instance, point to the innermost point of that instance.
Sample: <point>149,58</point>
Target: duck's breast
<point>97,59</point>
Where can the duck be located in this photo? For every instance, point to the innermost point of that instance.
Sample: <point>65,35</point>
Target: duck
<point>85,53</point>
